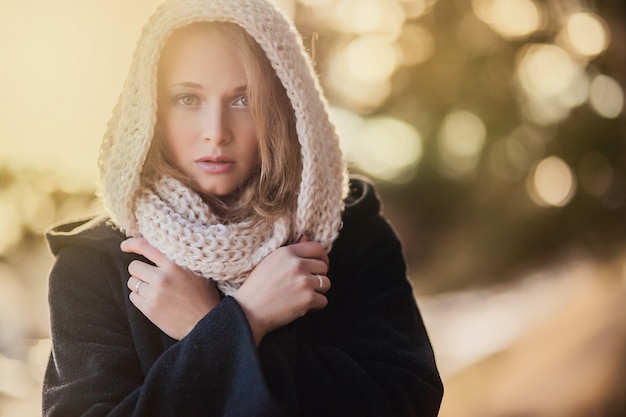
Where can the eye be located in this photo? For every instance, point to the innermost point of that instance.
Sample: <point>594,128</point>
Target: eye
<point>241,101</point>
<point>187,100</point>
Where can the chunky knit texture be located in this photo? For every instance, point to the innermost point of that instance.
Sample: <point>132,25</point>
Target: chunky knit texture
<point>172,217</point>
<point>175,220</point>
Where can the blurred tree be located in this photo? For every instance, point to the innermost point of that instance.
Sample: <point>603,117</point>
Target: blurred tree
<point>504,86</point>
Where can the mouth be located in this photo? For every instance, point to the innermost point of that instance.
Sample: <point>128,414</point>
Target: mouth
<point>215,159</point>
<point>215,164</point>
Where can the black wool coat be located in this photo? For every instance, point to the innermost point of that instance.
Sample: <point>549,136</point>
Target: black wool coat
<point>366,354</point>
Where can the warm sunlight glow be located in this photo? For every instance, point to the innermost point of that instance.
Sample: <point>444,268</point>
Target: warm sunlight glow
<point>287,6</point>
<point>371,59</point>
<point>318,3</point>
<point>10,226</point>
<point>62,69</point>
<point>384,17</point>
<point>37,209</point>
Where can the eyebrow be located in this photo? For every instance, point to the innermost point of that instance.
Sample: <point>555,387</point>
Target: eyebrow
<point>189,84</point>
<point>186,84</point>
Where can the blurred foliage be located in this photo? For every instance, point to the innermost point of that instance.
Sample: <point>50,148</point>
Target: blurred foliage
<point>478,228</point>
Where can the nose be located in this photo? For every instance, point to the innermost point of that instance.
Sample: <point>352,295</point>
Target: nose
<point>215,124</point>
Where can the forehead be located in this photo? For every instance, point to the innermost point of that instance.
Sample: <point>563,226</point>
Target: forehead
<point>201,51</point>
<point>227,34</point>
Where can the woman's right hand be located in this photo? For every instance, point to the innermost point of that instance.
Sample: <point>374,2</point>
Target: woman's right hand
<point>287,284</point>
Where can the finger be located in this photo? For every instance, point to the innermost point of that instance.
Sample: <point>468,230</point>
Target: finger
<point>314,266</point>
<point>305,238</point>
<point>321,283</point>
<point>141,246</point>
<point>143,271</point>
<point>319,302</point>
<point>138,301</point>
<point>311,250</point>
<point>137,287</point>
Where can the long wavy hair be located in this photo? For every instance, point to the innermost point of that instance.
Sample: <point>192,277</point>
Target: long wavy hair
<point>272,190</point>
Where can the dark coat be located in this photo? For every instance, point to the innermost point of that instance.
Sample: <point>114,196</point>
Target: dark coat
<point>366,354</point>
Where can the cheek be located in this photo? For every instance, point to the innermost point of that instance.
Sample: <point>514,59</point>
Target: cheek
<point>176,129</point>
<point>251,143</point>
<point>247,134</point>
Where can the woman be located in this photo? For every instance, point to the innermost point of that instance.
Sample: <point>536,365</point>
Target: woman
<point>239,274</point>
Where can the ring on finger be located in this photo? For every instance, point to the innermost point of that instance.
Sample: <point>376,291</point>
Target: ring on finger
<point>137,286</point>
<point>321,282</point>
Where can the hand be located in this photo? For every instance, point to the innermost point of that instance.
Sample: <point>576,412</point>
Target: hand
<point>286,285</point>
<point>172,298</point>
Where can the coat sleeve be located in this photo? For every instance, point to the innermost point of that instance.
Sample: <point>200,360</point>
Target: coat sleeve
<point>95,368</point>
<point>367,353</point>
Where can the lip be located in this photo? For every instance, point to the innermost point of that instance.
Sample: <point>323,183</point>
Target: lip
<point>217,164</point>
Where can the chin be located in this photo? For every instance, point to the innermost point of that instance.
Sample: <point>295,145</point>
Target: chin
<point>217,191</point>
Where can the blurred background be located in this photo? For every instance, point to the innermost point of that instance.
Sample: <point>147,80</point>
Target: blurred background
<point>493,129</point>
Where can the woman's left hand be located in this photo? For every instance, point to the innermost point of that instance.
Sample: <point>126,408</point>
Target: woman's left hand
<point>172,298</point>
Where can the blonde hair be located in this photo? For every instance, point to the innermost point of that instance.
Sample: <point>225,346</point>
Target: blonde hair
<point>272,190</point>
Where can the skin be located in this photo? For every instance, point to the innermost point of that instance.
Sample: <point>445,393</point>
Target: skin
<point>205,113</point>
<point>282,287</point>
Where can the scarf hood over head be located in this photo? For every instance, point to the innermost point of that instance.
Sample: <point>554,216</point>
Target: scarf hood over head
<point>131,128</point>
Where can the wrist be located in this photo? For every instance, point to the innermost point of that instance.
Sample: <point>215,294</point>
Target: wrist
<point>257,326</point>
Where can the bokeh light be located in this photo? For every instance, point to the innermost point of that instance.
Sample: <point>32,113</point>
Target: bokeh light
<point>551,183</point>
<point>370,86</point>
<point>382,146</point>
<point>461,139</point>
<point>546,70</point>
<point>551,83</point>
<point>371,59</point>
<point>587,33</point>
<point>416,44</point>
<point>382,17</point>
<point>414,9</point>
<point>509,18</point>
<point>606,96</point>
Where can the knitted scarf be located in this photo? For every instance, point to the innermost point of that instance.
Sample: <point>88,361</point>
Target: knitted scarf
<point>175,220</point>
<point>172,217</point>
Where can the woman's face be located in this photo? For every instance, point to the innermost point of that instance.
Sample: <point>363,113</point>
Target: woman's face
<point>209,132</point>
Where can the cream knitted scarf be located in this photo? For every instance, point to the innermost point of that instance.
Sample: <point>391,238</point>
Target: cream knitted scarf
<point>172,217</point>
